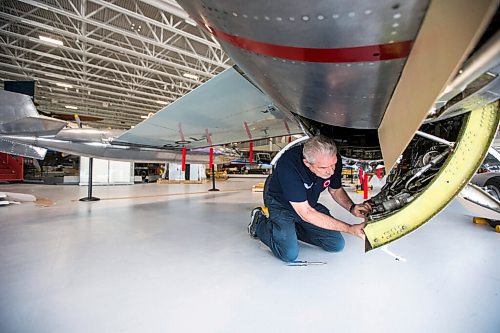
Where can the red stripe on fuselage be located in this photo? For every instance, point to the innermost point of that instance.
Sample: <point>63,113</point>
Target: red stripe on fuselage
<point>365,53</point>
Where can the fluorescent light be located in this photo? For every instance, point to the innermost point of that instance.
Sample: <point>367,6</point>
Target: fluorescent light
<point>53,74</point>
<point>71,107</point>
<point>148,116</point>
<point>51,40</point>
<point>190,76</point>
<point>162,102</point>
<point>208,28</point>
<point>64,85</point>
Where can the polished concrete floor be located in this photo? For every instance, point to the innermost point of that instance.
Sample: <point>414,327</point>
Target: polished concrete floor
<point>176,258</point>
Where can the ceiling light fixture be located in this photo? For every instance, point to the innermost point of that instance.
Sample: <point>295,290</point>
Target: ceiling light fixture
<point>162,102</point>
<point>64,85</point>
<point>148,116</point>
<point>71,107</point>
<point>190,76</point>
<point>51,40</point>
<point>61,77</point>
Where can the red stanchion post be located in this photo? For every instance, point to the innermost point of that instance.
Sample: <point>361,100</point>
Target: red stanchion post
<point>250,153</point>
<point>365,185</point>
<point>183,159</point>
<point>211,161</point>
<point>360,176</point>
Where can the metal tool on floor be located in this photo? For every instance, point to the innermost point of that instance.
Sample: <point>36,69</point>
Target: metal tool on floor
<point>305,263</point>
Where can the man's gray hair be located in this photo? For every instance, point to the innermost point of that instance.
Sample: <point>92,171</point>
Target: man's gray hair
<point>317,146</point>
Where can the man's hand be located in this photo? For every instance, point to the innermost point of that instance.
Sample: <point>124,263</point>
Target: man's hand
<point>361,210</point>
<point>357,230</point>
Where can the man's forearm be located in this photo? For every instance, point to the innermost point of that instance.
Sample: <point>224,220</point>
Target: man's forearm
<point>340,196</point>
<point>324,221</point>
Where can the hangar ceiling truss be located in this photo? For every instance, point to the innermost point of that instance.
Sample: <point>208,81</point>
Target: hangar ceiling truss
<point>118,60</point>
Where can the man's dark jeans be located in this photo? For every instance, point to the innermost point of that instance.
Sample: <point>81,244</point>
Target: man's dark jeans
<point>282,230</point>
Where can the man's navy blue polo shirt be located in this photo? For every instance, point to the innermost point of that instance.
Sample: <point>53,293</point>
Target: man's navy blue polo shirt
<point>293,181</point>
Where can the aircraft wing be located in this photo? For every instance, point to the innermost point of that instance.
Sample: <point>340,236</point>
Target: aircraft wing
<point>227,108</point>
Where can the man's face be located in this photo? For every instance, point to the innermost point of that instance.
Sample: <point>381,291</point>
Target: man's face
<point>324,166</point>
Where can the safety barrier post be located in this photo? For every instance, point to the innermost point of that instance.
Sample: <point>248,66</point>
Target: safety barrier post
<point>365,187</point>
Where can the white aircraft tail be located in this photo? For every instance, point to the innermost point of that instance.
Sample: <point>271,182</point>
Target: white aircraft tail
<point>19,117</point>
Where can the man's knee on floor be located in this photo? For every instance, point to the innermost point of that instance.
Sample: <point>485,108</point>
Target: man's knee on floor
<point>334,246</point>
<point>288,254</point>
